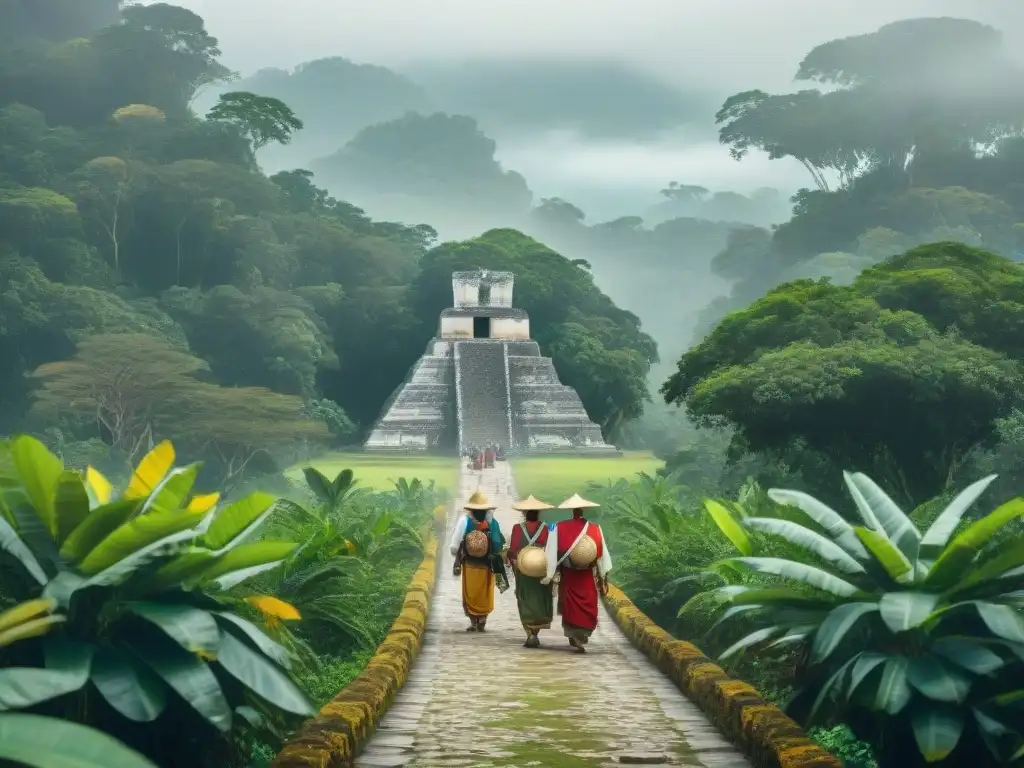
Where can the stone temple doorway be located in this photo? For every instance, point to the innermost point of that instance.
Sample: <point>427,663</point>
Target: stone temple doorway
<point>481,327</point>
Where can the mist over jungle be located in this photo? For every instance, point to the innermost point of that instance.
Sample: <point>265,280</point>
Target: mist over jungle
<point>604,122</point>
<point>683,165</point>
<point>777,249</point>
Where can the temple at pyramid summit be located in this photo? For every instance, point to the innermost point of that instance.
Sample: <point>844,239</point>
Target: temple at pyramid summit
<point>482,381</point>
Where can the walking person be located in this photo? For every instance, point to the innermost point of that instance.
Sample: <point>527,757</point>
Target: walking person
<point>578,553</point>
<point>529,563</point>
<point>477,543</point>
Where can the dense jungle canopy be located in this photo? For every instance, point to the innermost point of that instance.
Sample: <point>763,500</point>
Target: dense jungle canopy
<point>122,212</point>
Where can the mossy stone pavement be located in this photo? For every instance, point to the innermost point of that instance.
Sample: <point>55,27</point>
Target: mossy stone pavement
<point>485,700</point>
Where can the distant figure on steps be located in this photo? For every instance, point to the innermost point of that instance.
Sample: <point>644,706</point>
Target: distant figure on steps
<point>489,455</point>
<point>477,542</point>
<point>575,550</point>
<point>529,538</point>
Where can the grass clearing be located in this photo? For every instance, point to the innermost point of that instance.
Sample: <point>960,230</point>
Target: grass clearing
<point>380,472</point>
<point>555,478</point>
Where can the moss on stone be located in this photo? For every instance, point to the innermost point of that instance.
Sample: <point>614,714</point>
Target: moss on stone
<point>765,734</point>
<point>343,726</point>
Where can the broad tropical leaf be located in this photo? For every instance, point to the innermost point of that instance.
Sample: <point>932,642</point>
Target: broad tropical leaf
<point>950,565</point>
<point>256,635</point>
<point>892,560</point>
<point>203,503</point>
<point>244,557</point>
<point>129,687</point>
<point>262,676</point>
<point>937,680</point>
<point>803,537</point>
<point>171,492</point>
<point>883,514</point>
<point>317,483</point>
<point>11,542</point>
<point>837,624</point>
<point>937,535</point>
<point>46,742</point>
<point>192,628</point>
<point>865,664</point>
<point>100,523</point>
<point>1002,620</point>
<point>835,526</point>
<point>937,731</point>
<point>233,524</point>
<point>151,470</point>
<point>99,487</point>
<point>67,671</point>
<point>753,638</point>
<point>893,692</point>
<point>183,568</point>
<point>342,482</point>
<point>39,470</point>
<point>136,535</point>
<point>969,654</point>
<point>728,526</point>
<point>902,611</point>
<point>71,503</point>
<point>27,611</point>
<point>799,572</point>
<point>192,679</point>
<point>1001,560</point>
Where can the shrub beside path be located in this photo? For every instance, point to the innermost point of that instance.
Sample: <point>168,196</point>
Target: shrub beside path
<point>485,700</point>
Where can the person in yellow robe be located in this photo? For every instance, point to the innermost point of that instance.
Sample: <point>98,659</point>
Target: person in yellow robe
<point>477,543</point>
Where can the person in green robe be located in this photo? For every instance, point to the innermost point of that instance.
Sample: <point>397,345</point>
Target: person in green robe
<point>536,606</point>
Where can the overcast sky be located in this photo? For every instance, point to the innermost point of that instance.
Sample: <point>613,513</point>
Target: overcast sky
<point>722,45</point>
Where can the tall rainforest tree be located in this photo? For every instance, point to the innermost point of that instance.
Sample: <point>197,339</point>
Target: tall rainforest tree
<point>261,119</point>
<point>914,86</point>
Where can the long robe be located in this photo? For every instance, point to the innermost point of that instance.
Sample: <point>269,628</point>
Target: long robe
<point>536,605</point>
<point>577,588</point>
<point>477,575</point>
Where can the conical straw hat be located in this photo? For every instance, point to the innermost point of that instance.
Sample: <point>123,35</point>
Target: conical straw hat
<point>577,502</point>
<point>478,500</point>
<point>530,504</point>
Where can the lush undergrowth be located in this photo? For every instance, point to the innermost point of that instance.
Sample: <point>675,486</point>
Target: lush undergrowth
<point>267,607</point>
<point>801,601</point>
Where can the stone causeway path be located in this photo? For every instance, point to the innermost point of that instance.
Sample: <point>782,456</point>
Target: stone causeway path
<point>483,700</point>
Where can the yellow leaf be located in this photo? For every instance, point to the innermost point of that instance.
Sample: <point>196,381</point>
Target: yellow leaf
<point>34,628</point>
<point>99,485</point>
<point>203,502</point>
<point>151,470</point>
<point>25,611</point>
<point>273,608</point>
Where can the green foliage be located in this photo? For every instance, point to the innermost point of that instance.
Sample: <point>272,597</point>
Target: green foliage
<point>903,630</point>
<point>800,368</point>
<point>357,551</point>
<point>261,119</point>
<point>142,580</point>
<point>45,742</point>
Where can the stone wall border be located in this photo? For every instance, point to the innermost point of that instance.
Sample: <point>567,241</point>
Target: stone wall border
<point>335,736</point>
<point>768,737</point>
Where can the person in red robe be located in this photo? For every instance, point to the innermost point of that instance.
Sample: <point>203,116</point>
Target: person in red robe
<point>579,583</point>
